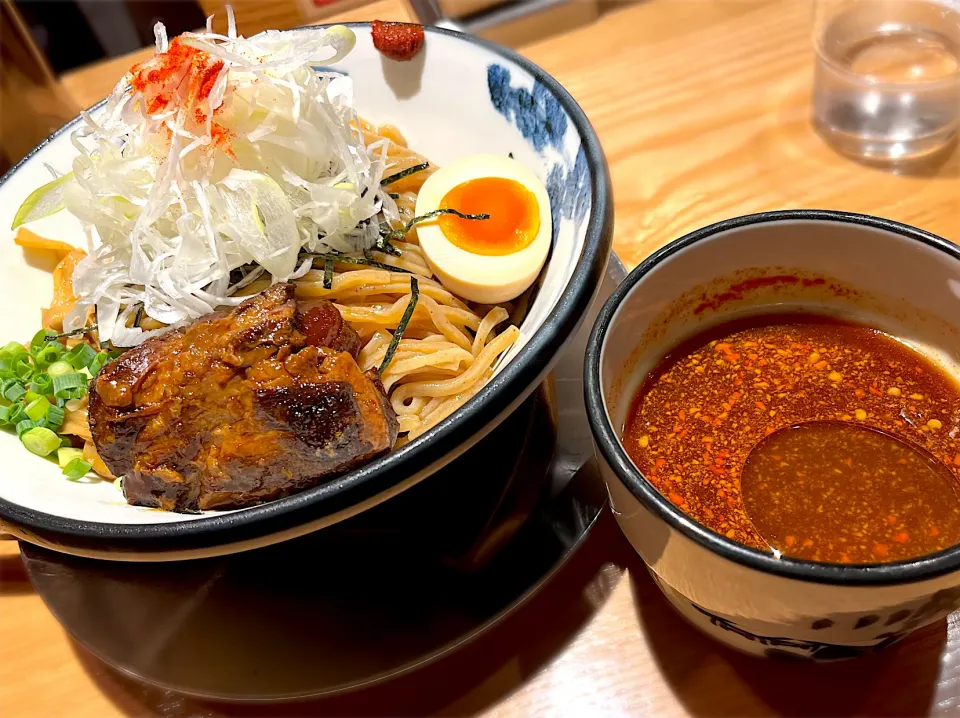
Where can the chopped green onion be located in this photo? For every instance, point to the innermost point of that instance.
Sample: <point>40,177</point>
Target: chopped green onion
<point>49,354</point>
<point>37,409</point>
<point>69,386</point>
<point>14,391</point>
<point>54,417</point>
<point>12,349</point>
<point>22,368</point>
<point>97,364</point>
<point>5,414</point>
<point>67,454</point>
<point>40,441</point>
<point>404,173</point>
<point>42,383</point>
<point>16,413</point>
<point>402,326</point>
<point>80,356</point>
<point>77,469</point>
<point>42,202</point>
<point>25,425</point>
<point>40,340</point>
<point>60,367</point>
<point>30,395</point>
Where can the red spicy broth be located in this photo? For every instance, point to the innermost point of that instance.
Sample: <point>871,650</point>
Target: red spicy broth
<point>875,479</point>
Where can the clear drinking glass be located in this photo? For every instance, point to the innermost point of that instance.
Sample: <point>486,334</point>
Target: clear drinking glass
<point>887,84</point>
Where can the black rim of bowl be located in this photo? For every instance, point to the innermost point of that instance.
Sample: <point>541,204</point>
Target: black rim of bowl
<point>608,443</point>
<point>457,431</point>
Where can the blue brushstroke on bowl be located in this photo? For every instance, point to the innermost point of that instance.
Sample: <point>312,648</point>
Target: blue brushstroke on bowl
<point>538,115</point>
<point>540,118</point>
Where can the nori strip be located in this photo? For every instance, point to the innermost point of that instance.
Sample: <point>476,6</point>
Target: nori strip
<point>328,274</point>
<point>361,261</point>
<point>402,326</point>
<point>74,333</point>
<point>400,233</point>
<point>404,173</point>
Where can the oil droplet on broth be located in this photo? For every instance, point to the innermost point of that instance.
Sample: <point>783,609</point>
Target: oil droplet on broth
<point>844,493</point>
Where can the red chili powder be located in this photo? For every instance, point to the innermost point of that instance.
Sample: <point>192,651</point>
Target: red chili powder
<point>161,82</point>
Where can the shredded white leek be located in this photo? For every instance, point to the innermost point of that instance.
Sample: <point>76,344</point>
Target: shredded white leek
<point>175,201</point>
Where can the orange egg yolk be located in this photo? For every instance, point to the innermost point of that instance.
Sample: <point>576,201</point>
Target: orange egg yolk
<point>514,216</point>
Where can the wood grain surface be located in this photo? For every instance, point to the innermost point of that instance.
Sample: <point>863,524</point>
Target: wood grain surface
<point>703,110</point>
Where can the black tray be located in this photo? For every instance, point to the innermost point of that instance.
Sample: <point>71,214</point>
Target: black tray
<point>369,598</point>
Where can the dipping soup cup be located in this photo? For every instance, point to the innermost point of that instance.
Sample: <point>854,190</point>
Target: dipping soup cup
<point>864,269</point>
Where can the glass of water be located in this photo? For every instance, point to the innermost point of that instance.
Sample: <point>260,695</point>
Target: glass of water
<point>887,84</point>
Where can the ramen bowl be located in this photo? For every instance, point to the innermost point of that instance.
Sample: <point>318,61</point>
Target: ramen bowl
<point>871,271</point>
<point>459,96</point>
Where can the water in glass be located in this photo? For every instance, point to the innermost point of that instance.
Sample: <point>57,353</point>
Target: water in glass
<point>887,83</point>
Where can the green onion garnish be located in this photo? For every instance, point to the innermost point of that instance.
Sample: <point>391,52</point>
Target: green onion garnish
<point>80,356</point>
<point>24,425</point>
<point>97,364</point>
<point>401,233</point>
<point>42,384</point>
<point>14,392</point>
<point>328,274</point>
<point>16,413</point>
<point>402,326</point>
<point>404,173</point>
<point>40,441</point>
<point>49,354</point>
<point>59,367</point>
<point>12,349</point>
<point>66,454</point>
<point>22,368</point>
<point>37,409</point>
<point>54,417</point>
<point>72,333</point>
<point>39,340</point>
<point>77,469</point>
<point>69,386</point>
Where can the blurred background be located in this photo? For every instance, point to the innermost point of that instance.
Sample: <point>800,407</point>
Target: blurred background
<point>60,56</point>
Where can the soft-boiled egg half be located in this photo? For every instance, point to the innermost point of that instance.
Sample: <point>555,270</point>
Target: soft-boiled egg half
<point>485,260</point>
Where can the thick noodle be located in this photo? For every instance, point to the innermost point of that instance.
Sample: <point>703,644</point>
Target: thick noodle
<point>449,348</point>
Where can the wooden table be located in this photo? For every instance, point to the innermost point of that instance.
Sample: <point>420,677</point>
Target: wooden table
<point>703,110</point>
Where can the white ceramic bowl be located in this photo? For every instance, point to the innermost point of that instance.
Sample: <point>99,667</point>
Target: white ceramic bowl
<point>460,95</point>
<point>878,272</point>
